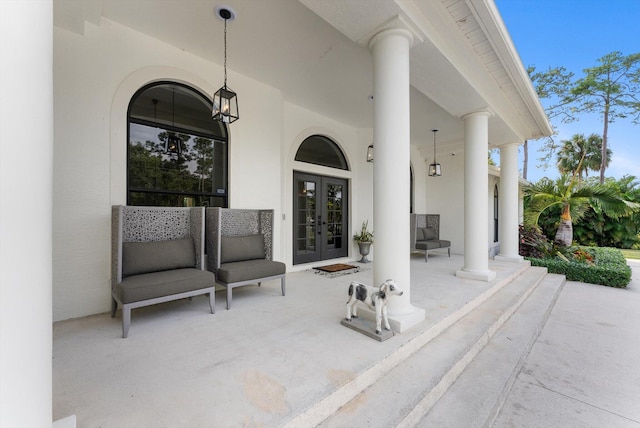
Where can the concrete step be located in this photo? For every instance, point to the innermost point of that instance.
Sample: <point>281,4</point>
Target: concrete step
<point>329,405</point>
<point>476,397</point>
<point>406,392</point>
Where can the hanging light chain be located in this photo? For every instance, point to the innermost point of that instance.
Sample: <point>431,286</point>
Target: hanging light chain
<point>434,145</point>
<point>225,53</point>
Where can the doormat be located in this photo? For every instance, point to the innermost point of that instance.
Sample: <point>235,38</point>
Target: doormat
<point>336,269</point>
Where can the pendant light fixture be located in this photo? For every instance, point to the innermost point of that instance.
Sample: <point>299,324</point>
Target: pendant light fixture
<point>172,145</point>
<point>225,101</point>
<point>435,170</point>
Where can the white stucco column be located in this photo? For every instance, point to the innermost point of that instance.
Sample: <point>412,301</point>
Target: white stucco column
<point>26,164</point>
<point>508,204</point>
<point>391,139</point>
<point>476,182</point>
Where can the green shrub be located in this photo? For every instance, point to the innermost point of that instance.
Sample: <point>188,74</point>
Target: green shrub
<point>609,266</point>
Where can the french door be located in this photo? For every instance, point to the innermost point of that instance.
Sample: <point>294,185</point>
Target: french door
<point>320,224</point>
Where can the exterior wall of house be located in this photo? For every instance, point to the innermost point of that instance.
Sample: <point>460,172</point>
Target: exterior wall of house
<point>445,196</point>
<point>420,166</point>
<point>95,75</point>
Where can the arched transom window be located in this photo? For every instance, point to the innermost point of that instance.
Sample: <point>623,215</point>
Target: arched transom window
<point>320,150</point>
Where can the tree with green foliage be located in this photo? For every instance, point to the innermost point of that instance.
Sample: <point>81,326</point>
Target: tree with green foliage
<point>611,89</point>
<point>598,229</point>
<point>554,85</point>
<point>580,148</point>
<point>573,202</point>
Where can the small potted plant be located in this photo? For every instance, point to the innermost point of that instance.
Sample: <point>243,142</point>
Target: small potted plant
<point>364,239</point>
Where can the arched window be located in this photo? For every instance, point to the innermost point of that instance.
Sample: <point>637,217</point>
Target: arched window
<point>176,154</point>
<point>320,150</point>
<point>495,213</point>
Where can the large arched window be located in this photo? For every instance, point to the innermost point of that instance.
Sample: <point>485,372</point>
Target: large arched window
<point>320,150</point>
<point>176,154</point>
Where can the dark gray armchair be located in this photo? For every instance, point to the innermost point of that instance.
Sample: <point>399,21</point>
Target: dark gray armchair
<point>240,248</point>
<point>425,234</point>
<point>157,255</point>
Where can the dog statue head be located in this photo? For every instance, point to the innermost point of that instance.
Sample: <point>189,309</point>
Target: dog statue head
<point>390,287</point>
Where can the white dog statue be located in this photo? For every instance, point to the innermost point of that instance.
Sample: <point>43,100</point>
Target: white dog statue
<point>375,298</point>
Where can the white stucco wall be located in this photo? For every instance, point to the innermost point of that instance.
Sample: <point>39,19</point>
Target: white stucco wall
<point>419,183</point>
<point>95,75</point>
<point>445,196</point>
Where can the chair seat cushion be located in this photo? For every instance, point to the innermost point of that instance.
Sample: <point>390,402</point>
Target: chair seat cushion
<point>444,244</point>
<point>427,245</point>
<point>160,284</point>
<point>248,270</point>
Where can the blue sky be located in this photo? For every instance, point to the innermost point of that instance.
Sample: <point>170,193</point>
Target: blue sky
<point>574,34</point>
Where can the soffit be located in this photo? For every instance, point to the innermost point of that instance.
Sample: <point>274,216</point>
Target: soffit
<point>314,52</point>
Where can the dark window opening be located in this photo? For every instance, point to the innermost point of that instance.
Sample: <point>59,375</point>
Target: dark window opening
<point>320,150</point>
<point>495,214</point>
<point>176,154</point>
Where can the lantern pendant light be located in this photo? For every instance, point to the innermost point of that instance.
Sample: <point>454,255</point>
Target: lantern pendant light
<point>435,170</point>
<point>173,144</point>
<point>225,101</point>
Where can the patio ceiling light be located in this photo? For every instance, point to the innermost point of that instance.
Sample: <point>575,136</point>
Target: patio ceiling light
<point>225,101</point>
<point>435,170</point>
<point>370,153</point>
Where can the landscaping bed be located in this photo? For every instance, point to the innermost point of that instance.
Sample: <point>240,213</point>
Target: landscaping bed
<point>594,265</point>
<point>608,267</point>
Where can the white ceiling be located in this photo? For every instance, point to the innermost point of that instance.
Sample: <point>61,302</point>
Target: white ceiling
<point>315,52</point>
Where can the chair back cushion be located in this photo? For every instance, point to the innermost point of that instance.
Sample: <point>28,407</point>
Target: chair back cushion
<point>429,233</point>
<point>240,248</point>
<point>146,257</point>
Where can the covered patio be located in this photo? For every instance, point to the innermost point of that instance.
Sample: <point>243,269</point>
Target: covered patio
<point>269,361</point>
<point>360,73</point>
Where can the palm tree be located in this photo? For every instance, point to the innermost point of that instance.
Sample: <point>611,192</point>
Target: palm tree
<point>579,148</point>
<point>574,202</point>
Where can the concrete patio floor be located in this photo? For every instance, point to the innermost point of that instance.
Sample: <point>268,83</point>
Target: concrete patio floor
<point>261,363</point>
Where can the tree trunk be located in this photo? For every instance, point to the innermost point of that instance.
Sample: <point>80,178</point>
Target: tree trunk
<point>564,234</point>
<point>603,165</point>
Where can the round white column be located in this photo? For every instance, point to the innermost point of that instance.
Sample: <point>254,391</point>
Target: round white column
<point>26,164</point>
<point>476,181</point>
<point>508,204</point>
<point>391,186</point>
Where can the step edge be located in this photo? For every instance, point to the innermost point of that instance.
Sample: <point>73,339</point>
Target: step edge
<point>332,402</point>
<point>506,390</point>
<point>500,393</point>
<point>434,394</point>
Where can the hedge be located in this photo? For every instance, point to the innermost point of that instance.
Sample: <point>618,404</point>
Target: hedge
<point>609,268</point>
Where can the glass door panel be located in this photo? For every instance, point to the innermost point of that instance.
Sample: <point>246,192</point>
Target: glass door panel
<point>319,218</point>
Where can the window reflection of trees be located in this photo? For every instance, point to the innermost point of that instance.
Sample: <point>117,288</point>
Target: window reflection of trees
<point>177,155</point>
<point>334,214</point>
<point>187,174</point>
